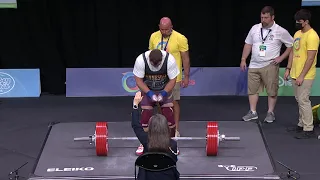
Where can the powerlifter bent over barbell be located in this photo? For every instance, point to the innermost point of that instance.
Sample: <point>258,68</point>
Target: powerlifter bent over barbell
<point>155,72</point>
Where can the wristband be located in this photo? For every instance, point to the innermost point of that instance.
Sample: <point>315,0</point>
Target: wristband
<point>164,93</point>
<point>150,94</point>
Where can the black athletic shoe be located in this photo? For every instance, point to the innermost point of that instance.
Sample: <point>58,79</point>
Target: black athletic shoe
<point>305,135</point>
<point>296,129</point>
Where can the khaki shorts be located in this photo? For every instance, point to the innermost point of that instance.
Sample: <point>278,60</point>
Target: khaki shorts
<point>176,92</point>
<point>266,77</point>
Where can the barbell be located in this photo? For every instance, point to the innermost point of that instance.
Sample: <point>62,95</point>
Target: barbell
<point>100,138</point>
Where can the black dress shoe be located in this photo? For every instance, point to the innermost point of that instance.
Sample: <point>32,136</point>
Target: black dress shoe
<point>296,129</point>
<point>306,135</point>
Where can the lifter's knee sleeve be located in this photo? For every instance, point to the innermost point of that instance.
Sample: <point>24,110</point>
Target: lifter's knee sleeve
<point>146,114</point>
<point>168,113</point>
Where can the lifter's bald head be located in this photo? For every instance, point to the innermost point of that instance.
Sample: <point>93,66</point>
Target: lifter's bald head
<point>165,26</point>
<point>165,21</point>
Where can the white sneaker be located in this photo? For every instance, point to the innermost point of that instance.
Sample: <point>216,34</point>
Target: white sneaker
<point>177,134</point>
<point>139,151</point>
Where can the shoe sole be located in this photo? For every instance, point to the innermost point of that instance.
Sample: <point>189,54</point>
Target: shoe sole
<point>268,121</point>
<point>254,118</point>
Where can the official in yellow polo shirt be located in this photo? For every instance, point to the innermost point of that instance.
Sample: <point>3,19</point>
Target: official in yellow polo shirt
<point>302,69</point>
<point>176,44</point>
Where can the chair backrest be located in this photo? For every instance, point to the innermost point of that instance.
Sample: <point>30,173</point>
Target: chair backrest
<point>155,161</point>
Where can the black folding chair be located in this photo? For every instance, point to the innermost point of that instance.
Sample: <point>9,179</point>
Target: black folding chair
<point>154,161</point>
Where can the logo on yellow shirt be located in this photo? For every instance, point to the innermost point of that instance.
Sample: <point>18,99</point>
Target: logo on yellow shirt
<point>163,45</point>
<point>296,44</point>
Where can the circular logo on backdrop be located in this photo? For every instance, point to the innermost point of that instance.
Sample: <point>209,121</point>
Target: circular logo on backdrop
<point>129,83</point>
<point>7,83</point>
<point>283,82</point>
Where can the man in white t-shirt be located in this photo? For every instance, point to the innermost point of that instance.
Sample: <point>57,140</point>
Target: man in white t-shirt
<point>155,73</point>
<point>264,41</point>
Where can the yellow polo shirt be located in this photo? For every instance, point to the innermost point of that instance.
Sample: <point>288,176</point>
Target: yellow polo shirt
<point>177,43</point>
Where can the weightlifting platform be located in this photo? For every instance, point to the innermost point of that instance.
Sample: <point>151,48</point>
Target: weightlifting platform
<point>63,158</point>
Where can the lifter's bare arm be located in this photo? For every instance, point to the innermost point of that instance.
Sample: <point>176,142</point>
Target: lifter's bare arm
<point>142,86</point>
<point>169,87</point>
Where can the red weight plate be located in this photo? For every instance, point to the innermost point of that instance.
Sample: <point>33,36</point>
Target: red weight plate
<point>102,139</point>
<point>212,139</point>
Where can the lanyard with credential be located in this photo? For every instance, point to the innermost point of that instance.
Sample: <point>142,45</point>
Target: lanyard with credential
<point>165,48</point>
<point>264,39</point>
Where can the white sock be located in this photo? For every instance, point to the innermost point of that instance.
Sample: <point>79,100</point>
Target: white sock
<point>254,112</point>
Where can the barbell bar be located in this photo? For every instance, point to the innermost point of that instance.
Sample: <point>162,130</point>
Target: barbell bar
<point>223,137</point>
<point>100,138</point>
